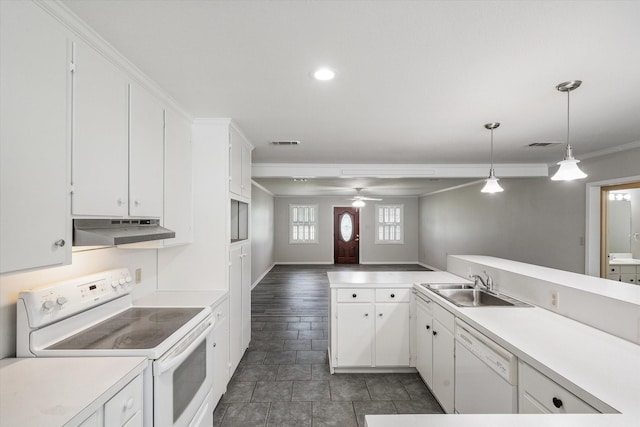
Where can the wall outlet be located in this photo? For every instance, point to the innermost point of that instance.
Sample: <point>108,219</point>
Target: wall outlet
<point>555,299</point>
<point>138,275</point>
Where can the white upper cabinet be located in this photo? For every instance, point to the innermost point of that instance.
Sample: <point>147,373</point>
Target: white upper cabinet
<point>100,136</point>
<point>34,139</point>
<point>239,164</point>
<point>146,154</point>
<point>178,187</point>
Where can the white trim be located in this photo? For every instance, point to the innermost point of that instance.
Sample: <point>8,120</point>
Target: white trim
<point>262,276</point>
<point>428,266</point>
<point>592,221</point>
<point>389,262</point>
<point>456,187</point>
<point>612,150</point>
<point>305,170</point>
<point>304,262</point>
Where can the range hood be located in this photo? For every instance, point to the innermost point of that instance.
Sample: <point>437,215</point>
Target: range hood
<point>109,232</point>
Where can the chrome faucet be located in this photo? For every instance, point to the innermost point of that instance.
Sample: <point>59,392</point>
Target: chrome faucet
<point>478,280</point>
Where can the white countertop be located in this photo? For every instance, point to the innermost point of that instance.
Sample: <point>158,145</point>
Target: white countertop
<point>605,367</point>
<point>181,298</point>
<point>624,261</point>
<point>350,279</point>
<point>38,392</point>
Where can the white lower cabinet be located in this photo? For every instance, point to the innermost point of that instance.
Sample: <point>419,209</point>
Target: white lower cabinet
<point>538,394</point>
<point>355,332</point>
<point>125,408</point>
<point>424,340</point>
<point>221,350</point>
<point>239,302</point>
<point>370,328</point>
<point>443,357</point>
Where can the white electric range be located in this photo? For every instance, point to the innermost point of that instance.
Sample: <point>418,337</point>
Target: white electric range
<point>94,316</point>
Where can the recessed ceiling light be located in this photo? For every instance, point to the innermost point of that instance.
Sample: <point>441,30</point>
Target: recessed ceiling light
<point>324,74</point>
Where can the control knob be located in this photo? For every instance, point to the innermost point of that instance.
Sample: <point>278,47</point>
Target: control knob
<point>48,305</point>
<point>122,281</point>
<point>128,279</point>
<point>114,284</point>
<point>62,301</point>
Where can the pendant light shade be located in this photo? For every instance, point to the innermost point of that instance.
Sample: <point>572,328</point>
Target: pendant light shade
<point>492,185</point>
<point>568,170</point>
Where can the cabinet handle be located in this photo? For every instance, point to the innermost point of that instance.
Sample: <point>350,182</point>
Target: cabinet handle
<point>557,402</point>
<point>120,202</point>
<point>137,202</point>
<point>354,295</point>
<point>60,243</point>
<point>366,315</point>
<point>393,295</point>
<point>214,344</point>
<point>380,315</point>
<point>129,404</point>
<point>428,327</point>
<point>435,333</point>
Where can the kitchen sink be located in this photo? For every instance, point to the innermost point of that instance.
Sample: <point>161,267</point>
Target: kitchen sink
<point>465,297</point>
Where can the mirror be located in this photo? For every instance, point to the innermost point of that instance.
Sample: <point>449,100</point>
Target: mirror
<point>620,229</point>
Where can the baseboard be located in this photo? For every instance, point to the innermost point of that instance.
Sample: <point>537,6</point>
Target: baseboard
<point>388,262</point>
<point>428,266</point>
<point>304,263</point>
<point>262,276</point>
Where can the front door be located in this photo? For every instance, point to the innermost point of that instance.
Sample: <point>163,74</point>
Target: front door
<point>346,235</point>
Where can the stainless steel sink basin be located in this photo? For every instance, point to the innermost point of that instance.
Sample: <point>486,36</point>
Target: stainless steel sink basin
<point>438,286</point>
<point>478,298</point>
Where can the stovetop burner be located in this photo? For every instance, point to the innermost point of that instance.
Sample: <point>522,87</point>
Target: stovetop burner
<point>135,328</point>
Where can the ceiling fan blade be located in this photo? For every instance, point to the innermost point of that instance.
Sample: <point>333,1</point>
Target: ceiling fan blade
<point>369,198</point>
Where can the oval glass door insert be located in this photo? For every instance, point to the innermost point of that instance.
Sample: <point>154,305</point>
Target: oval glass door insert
<point>346,227</point>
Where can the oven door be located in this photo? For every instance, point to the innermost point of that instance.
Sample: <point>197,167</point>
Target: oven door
<point>183,378</point>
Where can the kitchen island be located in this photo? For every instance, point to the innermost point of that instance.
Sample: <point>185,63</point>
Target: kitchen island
<point>596,366</point>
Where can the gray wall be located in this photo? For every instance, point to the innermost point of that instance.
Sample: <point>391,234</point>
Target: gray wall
<point>534,220</point>
<point>262,233</point>
<point>322,252</point>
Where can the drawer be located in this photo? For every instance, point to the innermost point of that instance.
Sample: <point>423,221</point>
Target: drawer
<point>355,295</point>
<point>125,404</point>
<point>447,319</point>
<point>221,311</point>
<point>628,269</point>
<point>613,276</point>
<point>393,295</point>
<point>551,396</point>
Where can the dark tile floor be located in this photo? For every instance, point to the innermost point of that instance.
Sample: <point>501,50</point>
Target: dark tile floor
<point>283,378</point>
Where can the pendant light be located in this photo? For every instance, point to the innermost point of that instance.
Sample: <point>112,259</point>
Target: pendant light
<point>492,185</point>
<point>568,170</point>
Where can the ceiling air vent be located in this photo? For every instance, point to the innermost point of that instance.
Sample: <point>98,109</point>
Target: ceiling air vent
<point>285,142</point>
<point>543,144</point>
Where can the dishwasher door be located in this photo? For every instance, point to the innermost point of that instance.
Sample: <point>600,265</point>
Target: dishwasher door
<point>485,375</point>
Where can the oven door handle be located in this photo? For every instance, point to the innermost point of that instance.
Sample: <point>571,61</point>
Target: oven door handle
<point>176,357</point>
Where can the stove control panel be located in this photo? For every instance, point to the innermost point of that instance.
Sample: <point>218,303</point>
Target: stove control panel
<point>46,304</point>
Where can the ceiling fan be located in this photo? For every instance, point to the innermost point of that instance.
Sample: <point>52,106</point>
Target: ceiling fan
<point>358,200</point>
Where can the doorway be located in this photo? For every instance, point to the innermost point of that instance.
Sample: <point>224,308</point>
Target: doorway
<point>346,235</point>
<point>620,225</point>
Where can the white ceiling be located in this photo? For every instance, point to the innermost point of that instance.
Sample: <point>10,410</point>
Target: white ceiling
<point>416,80</point>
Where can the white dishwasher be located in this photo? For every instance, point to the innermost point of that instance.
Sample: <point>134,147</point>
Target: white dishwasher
<point>486,375</point>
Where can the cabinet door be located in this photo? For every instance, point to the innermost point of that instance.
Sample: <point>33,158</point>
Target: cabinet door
<point>146,154</point>
<point>220,352</point>
<point>246,296</point>
<point>355,330</point>
<point>424,344</point>
<point>392,334</point>
<point>100,136</point>
<point>443,366</point>
<point>235,307</point>
<point>235,162</point>
<point>178,190</point>
<point>34,155</point>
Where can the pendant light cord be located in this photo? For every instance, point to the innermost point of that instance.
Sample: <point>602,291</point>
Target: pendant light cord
<point>568,143</point>
<point>491,149</point>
